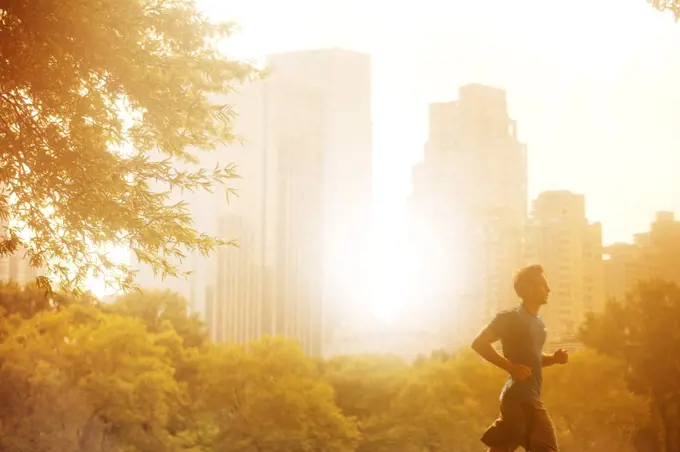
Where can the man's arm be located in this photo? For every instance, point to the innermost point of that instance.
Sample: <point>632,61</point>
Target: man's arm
<point>560,356</point>
<point>483,346</point>
<point>548,360</point>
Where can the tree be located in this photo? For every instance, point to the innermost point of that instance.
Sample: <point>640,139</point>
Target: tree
<point>270,396</point>
<point>591,405</point>
<point>644,333</point>
<point>78,380</point>
<point>185,341</point>
<point>155,307</point>
<point>667,5</point>
<point>27,301</point>
<point>365,387</point>
<point>98,100</point>
<point>440,408</point>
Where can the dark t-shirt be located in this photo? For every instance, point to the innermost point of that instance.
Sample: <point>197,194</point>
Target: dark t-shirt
<point>522,336</point>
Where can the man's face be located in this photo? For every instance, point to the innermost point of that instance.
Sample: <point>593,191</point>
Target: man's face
<point>542,290</point>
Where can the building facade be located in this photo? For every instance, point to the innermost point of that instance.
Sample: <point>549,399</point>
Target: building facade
<point>272,283</point>
<point>303,206</point>
<point>343,78</point>
<point>16,267</point>
<point>651,255</point>
<point>467,213</point>
<point>560,238</point>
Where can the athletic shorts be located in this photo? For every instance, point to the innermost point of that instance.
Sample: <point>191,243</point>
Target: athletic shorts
<point>522,424</point>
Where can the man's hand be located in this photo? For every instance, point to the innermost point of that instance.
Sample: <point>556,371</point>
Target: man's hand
<point>561,356</point>
<point>519,372</point>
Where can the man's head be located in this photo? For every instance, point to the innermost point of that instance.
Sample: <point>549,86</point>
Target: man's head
<point>531,286</point>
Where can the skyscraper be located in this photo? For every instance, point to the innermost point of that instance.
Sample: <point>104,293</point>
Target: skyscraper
<point>343,78</point>
<point>652,255</point>
<point>272,283</point>
<point>16,266</point>
<point>560,238</point>
<point>304,201</point>
<point>467,212</point>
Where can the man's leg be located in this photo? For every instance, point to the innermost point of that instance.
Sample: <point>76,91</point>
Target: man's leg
<point>508,432</point>
<point>542,437</point>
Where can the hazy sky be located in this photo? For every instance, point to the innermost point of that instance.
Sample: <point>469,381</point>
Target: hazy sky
<point>593,84</point>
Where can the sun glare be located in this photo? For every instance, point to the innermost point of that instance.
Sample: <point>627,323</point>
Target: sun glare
<point>98,285</point>
<point>388,268</point>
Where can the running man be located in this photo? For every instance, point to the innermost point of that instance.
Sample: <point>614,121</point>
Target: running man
<point>523,419</point>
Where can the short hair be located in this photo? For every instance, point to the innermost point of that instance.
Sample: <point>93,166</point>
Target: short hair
<point>526,278</point>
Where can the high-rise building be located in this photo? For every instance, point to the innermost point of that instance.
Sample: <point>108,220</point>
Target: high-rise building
<point>560,238</point>
<point>652,255</point>
<point>624,265</point>
<point>236,290</point>
<point>467,213</point>
<point>16,266</point>
<point>343,78</point>
<point>663,240</point>
<point>304,202</point>
<point>272,283</point>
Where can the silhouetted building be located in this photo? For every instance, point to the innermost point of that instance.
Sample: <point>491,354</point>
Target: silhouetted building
<point>343,78</point>
<point>560,238</point>
<point>16,267</point>
<point>272,283</point>
<point>624,266</point>
<point>652,255</point>
<point>467,213</point>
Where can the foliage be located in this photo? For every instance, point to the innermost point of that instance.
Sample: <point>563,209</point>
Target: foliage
<point>76,379</point>
<point>667,5</point>
<point>365,388</point>
<point>155,308</point>
<point>270,397</point>
<point>596,410</point>
<point>643,332</point>
<point>139,375</point>
<point>433,410</point>
<point>99,102</point>
<point>27,301</point>
<point>446,401</point>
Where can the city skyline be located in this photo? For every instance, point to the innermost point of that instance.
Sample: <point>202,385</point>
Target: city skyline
<point>472,142</point>
<point>560,88</point>
<point>588,104</point>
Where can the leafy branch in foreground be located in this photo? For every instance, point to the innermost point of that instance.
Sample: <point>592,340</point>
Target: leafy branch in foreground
<point>102,103</point>
<point>667,5</point>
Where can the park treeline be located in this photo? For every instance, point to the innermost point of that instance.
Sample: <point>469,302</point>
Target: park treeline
<point>139,374</point>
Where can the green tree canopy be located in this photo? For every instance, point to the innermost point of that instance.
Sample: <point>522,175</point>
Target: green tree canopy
<point>270,396</point>
<point>97,101</point>
<point>643,332</point>
<point>591,404</point>
<point>77,380</point>
<point>156,307</point>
